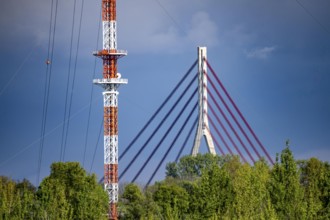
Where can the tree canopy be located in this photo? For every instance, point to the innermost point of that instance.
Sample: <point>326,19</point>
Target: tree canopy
<point>67,193</point>
<point>202,187</point>
<point>223,187</point>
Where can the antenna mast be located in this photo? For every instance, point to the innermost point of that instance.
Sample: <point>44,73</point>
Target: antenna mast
<point>110,82</point>
<point>203,123</point>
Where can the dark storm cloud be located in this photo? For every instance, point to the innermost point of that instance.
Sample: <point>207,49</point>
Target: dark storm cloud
<point>273,57</point>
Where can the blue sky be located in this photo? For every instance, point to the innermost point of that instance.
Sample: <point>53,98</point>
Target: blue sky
<point>272,56</point>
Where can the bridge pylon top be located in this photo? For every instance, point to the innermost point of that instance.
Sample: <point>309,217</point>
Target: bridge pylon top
<point>203,123</point>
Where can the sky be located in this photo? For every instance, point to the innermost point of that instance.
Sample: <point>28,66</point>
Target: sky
<point>272,56</point>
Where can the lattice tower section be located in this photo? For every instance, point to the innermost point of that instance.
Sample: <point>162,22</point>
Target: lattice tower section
<point>110,82</point>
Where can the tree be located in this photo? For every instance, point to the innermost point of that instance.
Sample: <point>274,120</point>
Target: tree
<point>215,193</point>
<point>325,193</point>
<point>190,167</point>
<point>260,182</point>
<point>172,170</point>
<point>70,193</point>
<point>16,199</point>
<point>251,198</point>
<point>312,174</point>
<point>315,178</point>
<point>193,190</point>
<point>52,201</point>
<point>9,199</point>
<point>287,194</point>
<point>172,199</point>
<point>26,193</point>
<point>131,204</point>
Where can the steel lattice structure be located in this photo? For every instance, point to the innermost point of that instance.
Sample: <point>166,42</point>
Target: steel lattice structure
<point>110,82</point>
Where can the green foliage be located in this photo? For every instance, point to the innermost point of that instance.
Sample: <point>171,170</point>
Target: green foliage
<point>16,199</point>
<point>286,192</point>
<point>70,193</point>
<point>201,187</point>
<point>52,202</point>
<point>250,184</point>
<point>325,193</point>
<point>67,193</point>
<point>191,167</point>
<point>132,202</point>
<point>172,170</point>
<point>215,192</point>
<point>315,180</point>
<point>214,187</point>
<point>172,199</point>
<point>8,199</point>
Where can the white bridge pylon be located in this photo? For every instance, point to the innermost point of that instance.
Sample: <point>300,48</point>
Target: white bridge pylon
<point>203,123</point>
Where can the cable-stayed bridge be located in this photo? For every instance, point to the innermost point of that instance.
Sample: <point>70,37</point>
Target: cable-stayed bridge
<point>199,106</point>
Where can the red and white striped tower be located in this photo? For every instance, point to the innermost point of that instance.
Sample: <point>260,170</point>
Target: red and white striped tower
<point>110,82</point>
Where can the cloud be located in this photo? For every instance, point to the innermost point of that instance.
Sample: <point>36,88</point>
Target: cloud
<point>143,26</point>
<point>169,27</point>
<point>261,53</point>
<point>203,30</point>
<point>238,35</point>
<point>29,24</point>
<point>163,35</point>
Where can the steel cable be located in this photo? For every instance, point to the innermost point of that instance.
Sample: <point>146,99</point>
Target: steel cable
<point>159,125</point>
<point>164,136</point>
<point>157,111</point>
<point>172,144</point>
<point>240,114</point>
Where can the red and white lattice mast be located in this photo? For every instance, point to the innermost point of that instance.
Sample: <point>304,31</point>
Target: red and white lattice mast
<point>110,82</point>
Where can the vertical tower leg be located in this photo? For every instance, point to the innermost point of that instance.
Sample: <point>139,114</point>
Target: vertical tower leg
<point>203,123</point>
<point>111,148</point>
<point>110,117</point>
<point>110,82</point>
